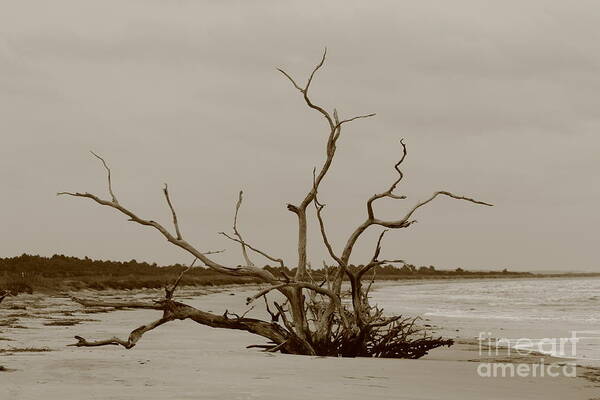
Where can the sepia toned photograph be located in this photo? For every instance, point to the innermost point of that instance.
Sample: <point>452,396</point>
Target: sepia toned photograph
<point>299,200</point>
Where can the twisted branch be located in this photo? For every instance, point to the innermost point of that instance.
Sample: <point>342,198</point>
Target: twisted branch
<point>401,223</point>
<point>389,193</point>
<point>174,310</point>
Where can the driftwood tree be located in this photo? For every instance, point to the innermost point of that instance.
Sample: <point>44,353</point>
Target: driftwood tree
<point>314,317</point>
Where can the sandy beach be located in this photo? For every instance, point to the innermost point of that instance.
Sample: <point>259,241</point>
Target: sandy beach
<point>379,179</point>
<point>184,360</point>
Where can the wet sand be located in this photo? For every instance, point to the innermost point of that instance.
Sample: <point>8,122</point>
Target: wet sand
<point>184,360</point>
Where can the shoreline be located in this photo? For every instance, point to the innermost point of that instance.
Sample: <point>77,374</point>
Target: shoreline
<point>204,362</point>
<point>66,285</point>
<point>484,314</point>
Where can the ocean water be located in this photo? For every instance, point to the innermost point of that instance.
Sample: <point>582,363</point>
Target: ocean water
<point>537,314</point>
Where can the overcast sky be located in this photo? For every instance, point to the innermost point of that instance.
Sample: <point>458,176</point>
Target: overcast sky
<point>498,100</point>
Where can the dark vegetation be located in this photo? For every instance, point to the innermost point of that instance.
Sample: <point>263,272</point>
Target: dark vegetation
<point>29,273</point>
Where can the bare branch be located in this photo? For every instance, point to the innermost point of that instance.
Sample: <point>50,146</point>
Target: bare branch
<point>402,223</point>
<point>304,90</point>
<point>340,123</point>
<point>237,233</point>
<point>284,319</point>
<point>214,252</point>
<point>274,316</point>
<point>389,193</point>
<point>276,348</point>
<point>385,321</point>
<point>110,191</point>
<point>335,126</point>
<point>375,262</point>
<point>319,207</point>
<point>169,292</point>
<point>266,290</point>
<point>305,285</point>
<point>134,336</point>
<point>262,253</point>
<point>175,223</point>
<point>319,65</point>
<point>178,241</point>
<point>378,246</point>
<point>117,304</point>
<point>251,325</point>
<point>239,317</point>
<point>370,284</point>
<point>175,310</point>
<point>291,79</point>
<point>405,222</point>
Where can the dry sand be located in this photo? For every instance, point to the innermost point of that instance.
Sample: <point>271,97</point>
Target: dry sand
<point>184,360</point>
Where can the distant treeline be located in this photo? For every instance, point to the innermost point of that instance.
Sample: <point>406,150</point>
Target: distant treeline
<point>408,270</point>
<point>27,273</point>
